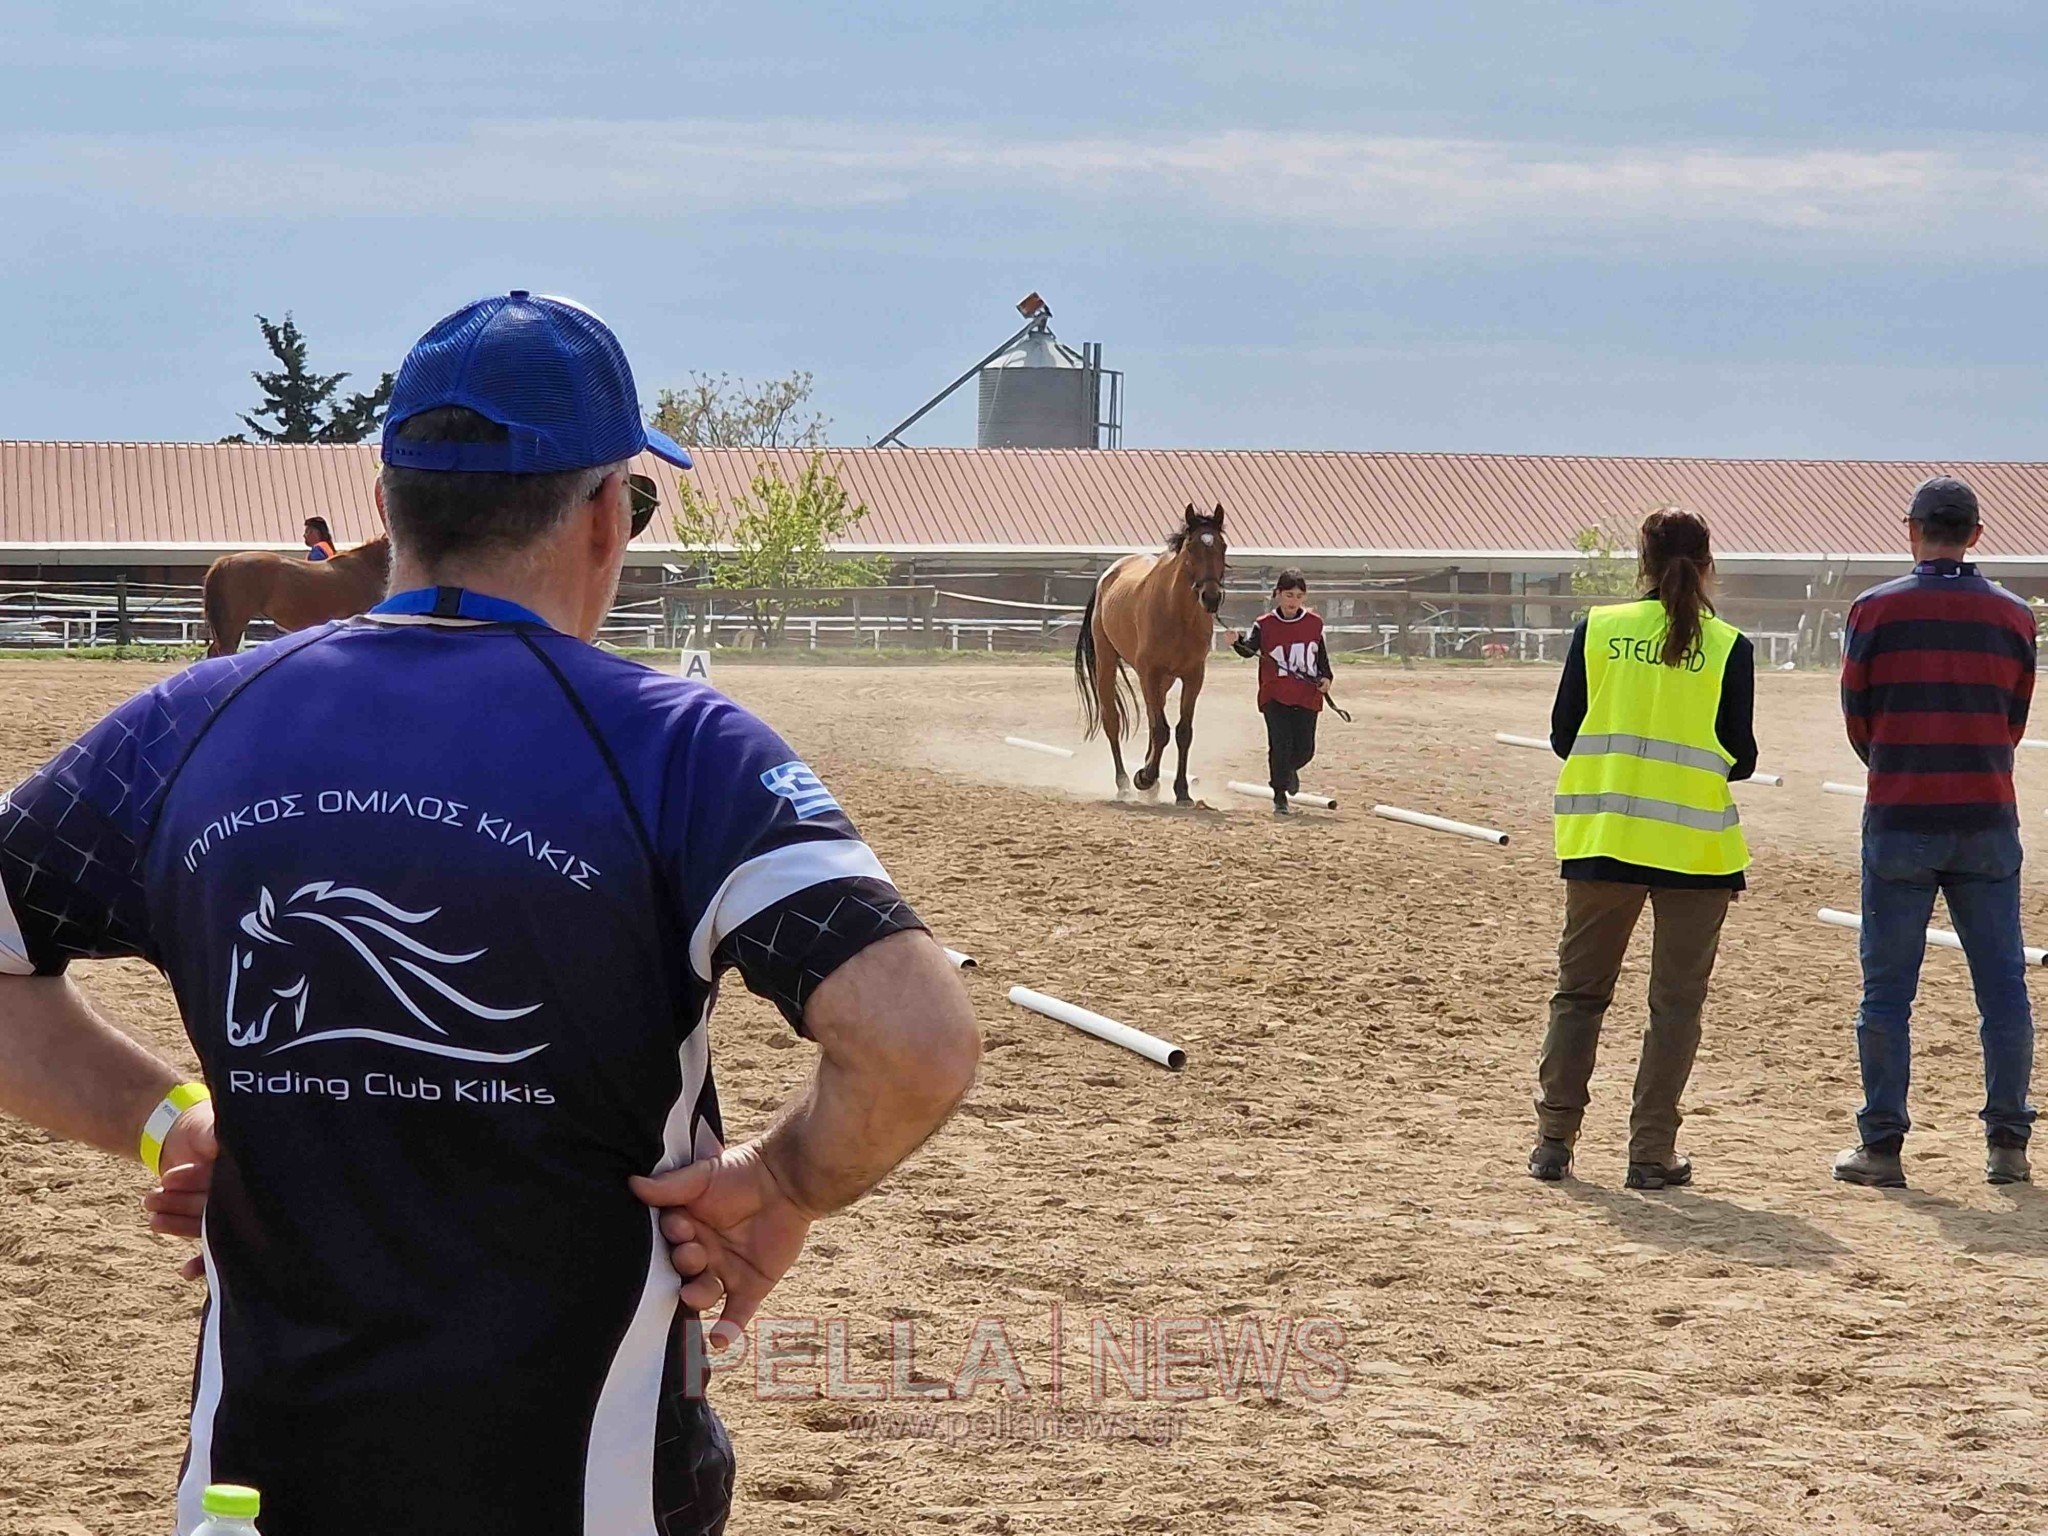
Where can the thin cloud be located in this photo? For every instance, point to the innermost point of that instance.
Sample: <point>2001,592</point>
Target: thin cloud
<point>1957,200</point>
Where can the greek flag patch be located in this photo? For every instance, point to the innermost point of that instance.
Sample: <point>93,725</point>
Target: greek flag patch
<point>800,787</point>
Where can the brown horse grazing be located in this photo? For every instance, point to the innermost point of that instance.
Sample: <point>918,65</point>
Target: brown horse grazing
<point>1155,612</point>
<point>292,594</point>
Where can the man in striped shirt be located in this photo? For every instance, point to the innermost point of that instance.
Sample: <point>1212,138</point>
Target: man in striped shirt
<point>1937,674</point>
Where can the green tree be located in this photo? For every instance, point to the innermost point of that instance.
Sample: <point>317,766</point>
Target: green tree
<point>1602,570</point>
<point>777,534</point>
<point>300,403</point>
<point>727,412</point>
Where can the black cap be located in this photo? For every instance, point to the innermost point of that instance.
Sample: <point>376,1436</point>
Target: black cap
<point>1945,504</point>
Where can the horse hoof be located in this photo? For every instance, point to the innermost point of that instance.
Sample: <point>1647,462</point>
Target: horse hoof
<point>1182,797</point>
<point>1145,779</point>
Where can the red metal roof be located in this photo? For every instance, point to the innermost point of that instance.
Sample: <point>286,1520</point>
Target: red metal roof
<point>219,495</point>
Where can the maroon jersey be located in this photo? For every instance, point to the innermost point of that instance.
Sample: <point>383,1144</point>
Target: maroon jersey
<point>1291,659</point>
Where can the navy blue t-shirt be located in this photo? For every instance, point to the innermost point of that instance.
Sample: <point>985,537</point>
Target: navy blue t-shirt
<point>443,904</point>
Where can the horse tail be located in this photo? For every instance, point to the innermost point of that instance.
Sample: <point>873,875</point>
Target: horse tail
<point>1084,672</point>
<point>1123,703</point>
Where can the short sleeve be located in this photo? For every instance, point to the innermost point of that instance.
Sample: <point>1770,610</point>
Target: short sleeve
<point>72,838</point>
<point>773,878</point>
<point>74,835</point>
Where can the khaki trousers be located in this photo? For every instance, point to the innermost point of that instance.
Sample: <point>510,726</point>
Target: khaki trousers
<point>1599,918</point>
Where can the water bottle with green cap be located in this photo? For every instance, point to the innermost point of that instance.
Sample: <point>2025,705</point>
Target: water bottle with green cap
<point>230,1510</point>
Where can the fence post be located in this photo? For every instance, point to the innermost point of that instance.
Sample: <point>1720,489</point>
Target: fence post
<point>123,635</point>
<point>1401,626</point>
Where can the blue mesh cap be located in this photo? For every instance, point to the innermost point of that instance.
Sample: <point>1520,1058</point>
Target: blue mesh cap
<point>547,370</point>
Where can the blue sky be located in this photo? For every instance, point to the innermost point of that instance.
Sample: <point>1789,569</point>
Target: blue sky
<point>1793,229</point>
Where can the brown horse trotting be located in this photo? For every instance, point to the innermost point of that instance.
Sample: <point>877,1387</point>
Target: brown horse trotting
<point>1154,612</point>
<point>291,593</point>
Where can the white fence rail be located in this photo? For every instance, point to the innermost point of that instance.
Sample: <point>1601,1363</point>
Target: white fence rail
<point>1426,642</point>
<point>54,618</point>
<point>101,615</point>
<point>1475,642</point>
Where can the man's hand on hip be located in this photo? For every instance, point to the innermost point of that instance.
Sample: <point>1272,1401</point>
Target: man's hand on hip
<point>897,1050</point>
<point>67,1070</point>
<point>731,1229</point>
<point>178,1202</point>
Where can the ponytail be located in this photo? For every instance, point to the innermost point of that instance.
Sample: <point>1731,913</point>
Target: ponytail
<point>1676,562</point>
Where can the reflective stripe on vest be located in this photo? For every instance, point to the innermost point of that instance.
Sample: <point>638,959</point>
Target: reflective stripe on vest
<point>1647,810</point>
<point>1651,750</point>
<point>1647,779</point>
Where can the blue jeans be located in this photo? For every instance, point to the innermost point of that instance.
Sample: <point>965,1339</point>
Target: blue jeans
<point>1979,875</point>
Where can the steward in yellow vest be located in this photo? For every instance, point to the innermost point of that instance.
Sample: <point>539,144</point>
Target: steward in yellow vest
<point>1646,781</point>
<point>1653,719</point>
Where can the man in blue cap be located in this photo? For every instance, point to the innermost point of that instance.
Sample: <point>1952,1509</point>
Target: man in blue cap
<point>1937,680</point>
<point>444,893</point>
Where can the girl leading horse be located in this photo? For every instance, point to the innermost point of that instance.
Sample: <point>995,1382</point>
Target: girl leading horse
<point>1156,613</point>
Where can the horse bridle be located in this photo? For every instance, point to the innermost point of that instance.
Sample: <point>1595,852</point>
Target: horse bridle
<point>1195,583</point>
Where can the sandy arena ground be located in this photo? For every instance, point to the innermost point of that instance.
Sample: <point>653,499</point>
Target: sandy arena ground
<point>1361,1002</point>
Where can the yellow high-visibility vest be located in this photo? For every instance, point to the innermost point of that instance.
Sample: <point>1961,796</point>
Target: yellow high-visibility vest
<point>1647,779</point>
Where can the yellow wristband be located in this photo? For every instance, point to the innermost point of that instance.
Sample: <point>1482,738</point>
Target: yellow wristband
<point>164,1116</point>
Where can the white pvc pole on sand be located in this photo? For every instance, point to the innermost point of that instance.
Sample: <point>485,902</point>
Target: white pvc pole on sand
<point>1442,824</point>
<point>1854,791</point>
<point>1039,746</point>
<point>1264,791</point>
<point>2033,741</point>
<point>1940,937</point>
<point>961,960</point>
<point>1151,1047</point>
<point>1774,780</point>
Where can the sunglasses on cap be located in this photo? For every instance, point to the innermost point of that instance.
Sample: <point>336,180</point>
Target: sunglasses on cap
<point>642,498</point>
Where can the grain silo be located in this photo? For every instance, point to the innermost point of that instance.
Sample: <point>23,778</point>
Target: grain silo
<point>1038,393</point>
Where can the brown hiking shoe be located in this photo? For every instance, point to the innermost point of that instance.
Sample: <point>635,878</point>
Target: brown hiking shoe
<point>1874,1170</point>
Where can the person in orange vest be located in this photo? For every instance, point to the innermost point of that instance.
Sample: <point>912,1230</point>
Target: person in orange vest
<point>1294,674</point>
<point>319,542</point>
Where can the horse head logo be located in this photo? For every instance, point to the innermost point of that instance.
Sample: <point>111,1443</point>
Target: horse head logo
<point>373,933</point>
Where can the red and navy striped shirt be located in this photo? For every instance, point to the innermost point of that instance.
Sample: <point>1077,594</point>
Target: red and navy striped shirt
<point>1937,674</point>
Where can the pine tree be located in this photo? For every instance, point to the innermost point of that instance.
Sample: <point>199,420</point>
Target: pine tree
<point>359,416</point>
<point>299,401</point>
